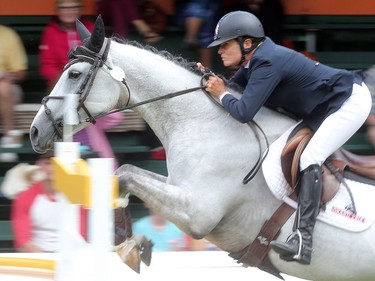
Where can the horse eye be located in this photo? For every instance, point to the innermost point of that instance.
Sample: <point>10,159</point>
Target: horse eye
<point>74,74</point>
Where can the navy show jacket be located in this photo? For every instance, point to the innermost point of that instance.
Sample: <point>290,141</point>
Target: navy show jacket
<point>280,77</point>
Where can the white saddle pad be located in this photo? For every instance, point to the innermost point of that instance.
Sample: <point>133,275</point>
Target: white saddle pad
<point>338,210</point>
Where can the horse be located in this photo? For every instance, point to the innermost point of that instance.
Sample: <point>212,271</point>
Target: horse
<point>208,154</point>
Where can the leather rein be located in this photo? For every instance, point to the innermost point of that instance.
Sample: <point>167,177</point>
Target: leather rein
<point>97,60</point>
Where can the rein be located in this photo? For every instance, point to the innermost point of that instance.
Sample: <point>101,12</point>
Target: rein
<point>254,126</point>
<point>167,96</point>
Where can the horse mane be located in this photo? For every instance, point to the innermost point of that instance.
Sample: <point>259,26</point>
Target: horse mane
<point>189,65</point>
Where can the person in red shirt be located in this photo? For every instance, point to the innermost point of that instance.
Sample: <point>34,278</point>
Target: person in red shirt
<point>59,37</point>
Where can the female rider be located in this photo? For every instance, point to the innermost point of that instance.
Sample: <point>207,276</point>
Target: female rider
<point>334,103</point>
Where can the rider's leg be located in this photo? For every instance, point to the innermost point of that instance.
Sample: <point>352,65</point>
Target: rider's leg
<point>299,246</point>
<point>332,134</point>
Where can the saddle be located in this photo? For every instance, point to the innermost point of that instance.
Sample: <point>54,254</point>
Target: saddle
<point>333,168</point>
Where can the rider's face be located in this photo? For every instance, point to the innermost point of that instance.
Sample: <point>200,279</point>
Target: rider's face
<point>230,53</point>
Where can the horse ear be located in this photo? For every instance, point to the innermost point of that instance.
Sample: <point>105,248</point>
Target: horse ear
<point>97,37</point>
<point>82,31</point>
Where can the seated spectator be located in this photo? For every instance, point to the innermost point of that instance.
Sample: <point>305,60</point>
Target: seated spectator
<point>163,234</point>
<point>166,236</point>
<point>59,37</point>
<point>122,14</point>
<point>13,67</point>
<point>199,18</point>
<point>36,213</point>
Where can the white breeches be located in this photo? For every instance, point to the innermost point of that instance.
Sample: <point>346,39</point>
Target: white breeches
<point>337,128</point>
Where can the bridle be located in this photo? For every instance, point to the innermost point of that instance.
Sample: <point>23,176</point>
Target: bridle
<point>97,60</point>
<point>80,54</point>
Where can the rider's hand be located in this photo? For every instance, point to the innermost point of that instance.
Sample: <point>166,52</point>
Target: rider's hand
<point>216,86</point>
<point>201,67</point>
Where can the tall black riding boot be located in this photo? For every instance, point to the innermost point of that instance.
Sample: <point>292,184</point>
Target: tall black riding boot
<point>298,246</point>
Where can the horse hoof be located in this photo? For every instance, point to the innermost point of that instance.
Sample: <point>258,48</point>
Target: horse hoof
<point>129,254</point>
<point>145,246</point>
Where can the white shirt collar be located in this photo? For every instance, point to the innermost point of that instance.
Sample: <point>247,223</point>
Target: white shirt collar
<point>247,64</point>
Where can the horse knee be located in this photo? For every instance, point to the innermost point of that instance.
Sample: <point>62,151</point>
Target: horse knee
<point>197,235</point>
<point>120,170</point>
<point>200,228</point>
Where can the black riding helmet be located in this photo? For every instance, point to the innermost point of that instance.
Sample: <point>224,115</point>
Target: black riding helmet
<point>237,25</point>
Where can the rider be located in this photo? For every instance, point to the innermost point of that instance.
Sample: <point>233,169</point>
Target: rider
<point>334,103</point>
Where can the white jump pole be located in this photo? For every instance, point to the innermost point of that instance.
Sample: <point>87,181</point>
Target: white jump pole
<point>71,116</point>
<point>71,243</point>
<point>101,217</point>
<point>80,260</point>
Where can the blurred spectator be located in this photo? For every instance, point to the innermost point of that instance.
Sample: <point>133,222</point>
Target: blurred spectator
<point>154,15</point>
<point>13,67</point>
<point>199,18</point>
<point>270,13</point>
<point>59,37</point>
<point>165,235</point>
<point>122,14</point>
<point>36,213</point>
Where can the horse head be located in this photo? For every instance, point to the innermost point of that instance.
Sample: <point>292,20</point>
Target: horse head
<point>80,78</point>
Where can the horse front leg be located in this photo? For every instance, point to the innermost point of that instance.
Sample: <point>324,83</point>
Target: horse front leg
<point>176,203</point>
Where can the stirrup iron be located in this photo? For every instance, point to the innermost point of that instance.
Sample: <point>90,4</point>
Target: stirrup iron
<point>297,233</point>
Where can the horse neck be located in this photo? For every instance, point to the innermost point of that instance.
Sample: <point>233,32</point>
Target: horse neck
<point>149,76</point>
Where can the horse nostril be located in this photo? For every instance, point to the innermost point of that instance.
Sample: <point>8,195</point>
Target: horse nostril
<point>34,136</point>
